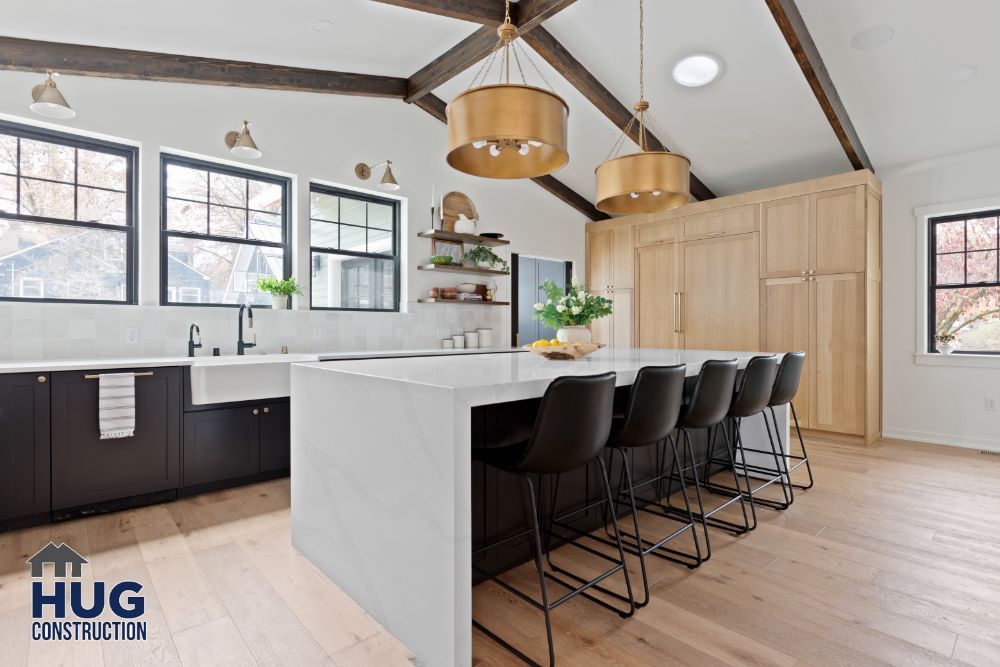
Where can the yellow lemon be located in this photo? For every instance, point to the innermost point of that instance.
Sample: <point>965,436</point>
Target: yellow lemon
<point>554,341</point>
<point>541,342</point>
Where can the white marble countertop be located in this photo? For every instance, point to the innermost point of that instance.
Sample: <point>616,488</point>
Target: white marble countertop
<point>55,365</point>
<point>496,378</point>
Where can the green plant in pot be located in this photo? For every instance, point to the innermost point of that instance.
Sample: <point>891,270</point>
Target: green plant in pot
<point>571,311</point>
<point>280,290</point>
<point>485,258</point>
<point>945,342</point>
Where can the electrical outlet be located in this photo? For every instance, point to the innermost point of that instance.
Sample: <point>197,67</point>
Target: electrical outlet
<point>131,335</point>
<point>317,333</point>
<point>991,403</point>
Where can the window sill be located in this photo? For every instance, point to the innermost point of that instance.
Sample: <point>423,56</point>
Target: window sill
<point>961,360</point>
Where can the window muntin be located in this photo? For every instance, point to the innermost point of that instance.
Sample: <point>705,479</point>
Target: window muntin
<point>67,217</point>
<point>222,228</point>
<point>964,290</point>
<point>354,244</point>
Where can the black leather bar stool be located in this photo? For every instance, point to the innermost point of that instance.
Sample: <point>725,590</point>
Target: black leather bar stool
<point>750,398</point>
<point>648,420</point>
<point>707,408</point>
<point>786,385</point>
<point>572,426</point>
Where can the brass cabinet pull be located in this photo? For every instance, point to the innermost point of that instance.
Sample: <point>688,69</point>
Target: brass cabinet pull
<point>256,411</point>
<point>138,375</point>
<point>680,312</point>
<point>266,410</point>
<point>42,379</point>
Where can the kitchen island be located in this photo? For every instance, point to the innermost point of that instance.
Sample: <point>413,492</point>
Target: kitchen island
<point>382,491</point>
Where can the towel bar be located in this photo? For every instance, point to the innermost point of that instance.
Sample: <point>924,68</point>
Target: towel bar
<point>138,375</point>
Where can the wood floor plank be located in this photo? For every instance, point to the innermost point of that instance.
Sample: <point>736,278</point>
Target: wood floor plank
<point>272,632</point>
<point>217,643</point>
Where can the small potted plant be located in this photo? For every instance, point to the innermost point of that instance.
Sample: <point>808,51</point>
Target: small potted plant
<point>485,258</point>
<point>945,342</point>
<point>570,312</point>
<point>280,290</point>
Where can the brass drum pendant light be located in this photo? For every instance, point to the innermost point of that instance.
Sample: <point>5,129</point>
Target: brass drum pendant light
<point>647,181</point>
<point>507,130</point>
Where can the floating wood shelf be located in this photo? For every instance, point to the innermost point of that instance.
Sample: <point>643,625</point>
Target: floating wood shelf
<point>458,268</point>
<point>454,237</point>
<point>471,303</point>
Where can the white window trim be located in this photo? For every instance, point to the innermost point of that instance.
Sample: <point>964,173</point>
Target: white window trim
<point>922,216</point>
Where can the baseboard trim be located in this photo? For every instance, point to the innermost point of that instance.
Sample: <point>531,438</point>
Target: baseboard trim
<point>967,442</point>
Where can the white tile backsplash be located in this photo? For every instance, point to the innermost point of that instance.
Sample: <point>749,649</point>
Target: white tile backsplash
<point>30,331</point>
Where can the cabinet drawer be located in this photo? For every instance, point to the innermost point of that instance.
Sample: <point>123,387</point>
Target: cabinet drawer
<point>653,233</point>
<point>86,469</point>
<point>221,444</point>
<point>739,220</point>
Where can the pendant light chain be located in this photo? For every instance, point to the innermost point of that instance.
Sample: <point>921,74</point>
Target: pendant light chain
<point>643,105</point>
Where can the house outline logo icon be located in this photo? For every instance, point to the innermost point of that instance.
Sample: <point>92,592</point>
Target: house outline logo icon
<point>60,556</point>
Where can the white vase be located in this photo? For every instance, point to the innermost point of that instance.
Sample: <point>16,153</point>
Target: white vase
<point>465,226</point>
<point>945,348</point>
<point>484,265</point>
<point>279,301</point>
<point>576,334</point>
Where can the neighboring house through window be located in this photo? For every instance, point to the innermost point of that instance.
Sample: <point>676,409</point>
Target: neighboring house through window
<point>964,289</point>
<point>354,240</point>
<point>222,228</point>
<point>67,217</point>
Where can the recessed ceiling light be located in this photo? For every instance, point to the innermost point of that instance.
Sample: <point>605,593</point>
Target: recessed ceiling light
<point>745,134</point>
<point>322,25</point>
<point>873,38</point>
<point>963,73</point>
<point>698,69</point>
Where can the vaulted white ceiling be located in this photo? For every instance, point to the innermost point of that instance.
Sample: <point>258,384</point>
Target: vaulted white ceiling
<point>899,96</point>
<point>758,125</point>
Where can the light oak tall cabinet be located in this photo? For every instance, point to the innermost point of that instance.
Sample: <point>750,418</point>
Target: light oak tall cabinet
<point>797,267</point>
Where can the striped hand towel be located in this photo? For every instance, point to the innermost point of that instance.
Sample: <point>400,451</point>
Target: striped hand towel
<point>116,405</point>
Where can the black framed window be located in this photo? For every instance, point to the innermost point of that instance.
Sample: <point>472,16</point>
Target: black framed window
<point>964,290</point>
<point>67,217</point>
<point>222,228</point>
<point>354,245</point>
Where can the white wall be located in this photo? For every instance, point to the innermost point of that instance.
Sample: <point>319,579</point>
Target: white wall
<point>944,404</point>
<point>309,136</point>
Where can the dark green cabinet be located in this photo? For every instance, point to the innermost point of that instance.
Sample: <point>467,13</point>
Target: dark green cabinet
<point>86,469</point>
<point>230,443</point>
<point>24,445</point>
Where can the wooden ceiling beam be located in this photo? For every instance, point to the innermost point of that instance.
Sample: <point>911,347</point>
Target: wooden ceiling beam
<point>793,27</point>
<point>434,105</point>
<point>554,53</point>
<point>475,47</point>
<point>25,55</point>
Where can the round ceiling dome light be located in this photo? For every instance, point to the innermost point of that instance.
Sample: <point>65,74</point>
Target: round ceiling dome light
<point>873,38</point>
<point>962,73</point>
<point>698,69</point>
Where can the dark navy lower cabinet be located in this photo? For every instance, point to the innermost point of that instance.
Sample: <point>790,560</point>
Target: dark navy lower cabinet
<point>88,470</point>
<point>220,444</point>
<point>24,445</point>
<point>275,437</point>
<point>235,442</point>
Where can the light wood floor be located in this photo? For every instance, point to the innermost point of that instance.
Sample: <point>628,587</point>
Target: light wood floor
<point>891,559</point>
